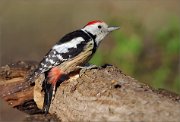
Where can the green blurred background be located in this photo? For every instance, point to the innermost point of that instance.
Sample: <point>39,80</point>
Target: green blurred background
<point>147,47</point>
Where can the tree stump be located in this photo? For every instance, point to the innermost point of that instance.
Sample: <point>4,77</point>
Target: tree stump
<point>102,94</point>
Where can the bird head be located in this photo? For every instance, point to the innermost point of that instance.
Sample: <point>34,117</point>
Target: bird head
<point>98,29</point>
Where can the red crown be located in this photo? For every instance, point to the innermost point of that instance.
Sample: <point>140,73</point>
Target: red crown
<point>93,22</point>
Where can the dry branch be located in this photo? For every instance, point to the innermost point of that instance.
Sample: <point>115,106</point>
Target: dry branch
<point>104,94</point>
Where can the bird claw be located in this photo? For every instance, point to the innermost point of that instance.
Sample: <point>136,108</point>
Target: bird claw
<point>86,67</point>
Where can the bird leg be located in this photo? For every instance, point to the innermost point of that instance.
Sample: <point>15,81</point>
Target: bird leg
<point>87,66</point>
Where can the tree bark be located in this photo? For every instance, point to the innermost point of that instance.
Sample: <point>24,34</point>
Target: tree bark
<point>103,94</point>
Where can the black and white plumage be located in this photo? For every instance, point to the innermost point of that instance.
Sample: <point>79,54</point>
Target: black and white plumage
<point>68,47</point>
<point>80,44</point>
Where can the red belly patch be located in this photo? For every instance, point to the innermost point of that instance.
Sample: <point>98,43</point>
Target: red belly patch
<point>54,75</point>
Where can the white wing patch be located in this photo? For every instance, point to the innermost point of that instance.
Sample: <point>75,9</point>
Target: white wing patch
<point>63,48</point>
<point>51,61</point>
<point>60,57</point>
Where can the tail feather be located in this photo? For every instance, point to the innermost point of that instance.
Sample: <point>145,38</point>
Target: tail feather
<point>49,91</point>
<point>49,86</point>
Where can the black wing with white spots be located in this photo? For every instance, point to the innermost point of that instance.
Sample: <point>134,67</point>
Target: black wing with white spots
<point>50,60</point>
<point>68,47</point>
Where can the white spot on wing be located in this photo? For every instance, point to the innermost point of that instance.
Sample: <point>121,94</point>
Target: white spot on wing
<point>53,56</point>
<point>54,52</point>
<point>51,61</point>
<point>60,57</point>
<point>63,48</point>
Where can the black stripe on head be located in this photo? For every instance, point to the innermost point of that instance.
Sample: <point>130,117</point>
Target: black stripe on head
<point>91,35</point>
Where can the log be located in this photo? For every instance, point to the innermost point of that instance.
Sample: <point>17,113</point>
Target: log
<point>102,94</point>
<point>11,77</point>
<point>107,94</point>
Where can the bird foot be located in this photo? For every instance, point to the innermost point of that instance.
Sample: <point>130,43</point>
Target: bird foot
<point>85,68</point>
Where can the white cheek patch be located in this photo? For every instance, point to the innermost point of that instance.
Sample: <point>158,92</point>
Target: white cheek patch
<point>63,48</point>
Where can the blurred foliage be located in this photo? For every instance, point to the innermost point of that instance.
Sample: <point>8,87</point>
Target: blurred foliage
<point>155,61</point>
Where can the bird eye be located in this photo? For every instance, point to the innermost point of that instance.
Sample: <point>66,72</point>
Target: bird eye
<point>99,26</point>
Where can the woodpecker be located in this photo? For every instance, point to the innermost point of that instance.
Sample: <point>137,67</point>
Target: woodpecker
<point>70,52</point>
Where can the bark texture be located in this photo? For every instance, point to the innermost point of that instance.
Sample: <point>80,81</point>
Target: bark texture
<point>107,94</point>
<point>103,94</point>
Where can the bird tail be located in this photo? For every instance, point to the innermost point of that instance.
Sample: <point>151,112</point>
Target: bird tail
<point>49,87</point>
<point>49,90</point>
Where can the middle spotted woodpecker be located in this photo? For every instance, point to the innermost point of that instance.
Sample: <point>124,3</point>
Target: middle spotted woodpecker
<point>72,51</point>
